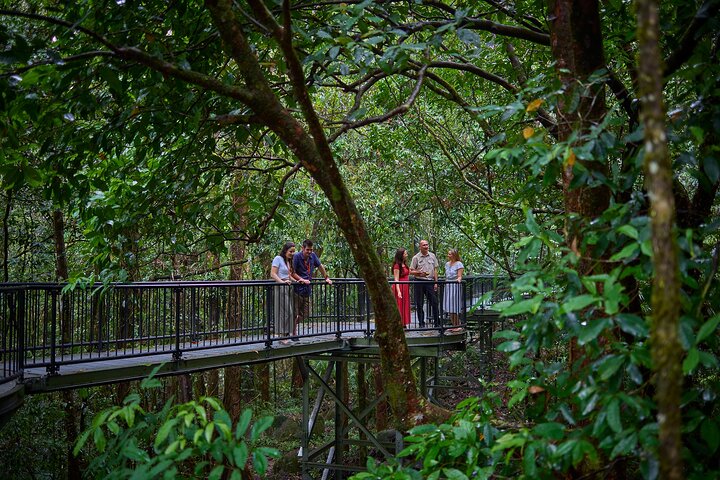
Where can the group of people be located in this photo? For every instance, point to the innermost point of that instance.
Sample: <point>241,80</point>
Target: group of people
<point>424,267</point>
<point>296,268</point>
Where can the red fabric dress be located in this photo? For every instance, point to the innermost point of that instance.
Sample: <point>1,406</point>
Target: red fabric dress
<point>404,302</point>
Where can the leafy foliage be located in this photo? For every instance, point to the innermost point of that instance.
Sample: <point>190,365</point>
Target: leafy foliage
<point>192,440</point>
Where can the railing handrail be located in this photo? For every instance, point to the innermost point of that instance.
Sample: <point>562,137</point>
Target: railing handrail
<point>51,327</point>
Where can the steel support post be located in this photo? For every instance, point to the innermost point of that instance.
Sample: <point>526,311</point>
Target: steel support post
<point>339,379</point>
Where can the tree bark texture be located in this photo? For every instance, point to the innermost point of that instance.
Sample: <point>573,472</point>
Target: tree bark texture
<point>665,345</point>
<point>6,237</point>
<point>576,44</point>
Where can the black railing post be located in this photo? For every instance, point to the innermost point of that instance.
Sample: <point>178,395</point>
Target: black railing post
<point>270,313</point>
<point>194,316</point>
<point>21,332</point>
<point>177,354</point>
<point>53,367</point>
<point>366,298</point>
<point>338,326</point>
<point>463,302</point>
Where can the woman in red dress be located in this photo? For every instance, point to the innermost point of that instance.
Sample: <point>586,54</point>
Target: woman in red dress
<point>401,273</point>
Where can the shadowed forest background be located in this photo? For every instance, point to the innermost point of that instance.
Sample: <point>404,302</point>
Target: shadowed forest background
<point>568,146</point>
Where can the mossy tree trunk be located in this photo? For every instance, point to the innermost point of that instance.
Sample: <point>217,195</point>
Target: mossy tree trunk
<point>665,301</point>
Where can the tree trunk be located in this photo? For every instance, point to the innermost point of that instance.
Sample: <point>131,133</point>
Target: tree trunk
<point>232,395</point>
<point>262,380</point>
<point>6,237</point>
<point>665,302</point>
<point>576,43</point>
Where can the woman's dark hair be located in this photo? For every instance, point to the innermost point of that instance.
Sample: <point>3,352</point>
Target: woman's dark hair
<point>399,258</point>
<point>285,248</point>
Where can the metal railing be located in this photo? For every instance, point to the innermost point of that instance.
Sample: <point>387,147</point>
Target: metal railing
<point>44,326</point>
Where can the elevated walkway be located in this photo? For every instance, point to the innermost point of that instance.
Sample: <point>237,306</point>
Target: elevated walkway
<point>53,339</point>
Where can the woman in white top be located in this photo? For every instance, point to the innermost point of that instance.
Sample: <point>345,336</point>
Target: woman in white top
<point>452,298</point>
<point>281,271</point>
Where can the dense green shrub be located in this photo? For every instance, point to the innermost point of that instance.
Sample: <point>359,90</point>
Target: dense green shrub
<point>196,439</point>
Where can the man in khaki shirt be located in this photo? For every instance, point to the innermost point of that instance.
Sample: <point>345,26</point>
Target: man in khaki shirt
<point>426,287</point>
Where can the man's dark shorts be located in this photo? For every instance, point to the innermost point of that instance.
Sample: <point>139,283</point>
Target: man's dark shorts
<point>302,307</point>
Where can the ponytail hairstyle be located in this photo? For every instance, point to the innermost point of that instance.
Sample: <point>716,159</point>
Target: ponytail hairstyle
<point>454,254</point>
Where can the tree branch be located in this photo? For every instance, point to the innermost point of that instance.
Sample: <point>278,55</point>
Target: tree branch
<point>484,25</point>
<point>72,58</point>
<point>690,38</point>
<point>190,76</point>
<point>399,110</point>
<point>57,21</point>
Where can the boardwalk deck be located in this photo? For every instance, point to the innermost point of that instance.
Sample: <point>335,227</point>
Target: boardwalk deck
<point>116,368</point>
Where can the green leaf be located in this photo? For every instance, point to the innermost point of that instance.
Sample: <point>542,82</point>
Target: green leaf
<point>712,169</point>
<point>240,455</point>
<point>524,306</point>
<point>529,465</point>
<point>589,332</point>
<point>509,440</point>
<point>609,365</point>
<point>216,473</point>
<point>613,415</point>
<point>629,230</point>
<point>243,423</point>
<point>581,449</point>
<point>209,429</point>
<point>578,303</point>
<point>628,251</point>
<point>691,361</point>
<point>164,432</point>
<point>709,360</point>
<point>710,433</point>
<point>509,334</point>
<point>161,466</point>
<point>81,442</point>
<point>707,329</point>
<point>510,346</point>
<point>550,430</point>
<point>260,426</point>
<point>624,446</point>
<point>99,439</point>
<point>632,324</point>
<point>454,474</point>
<point>32,176</point>
<point>260,463</point>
